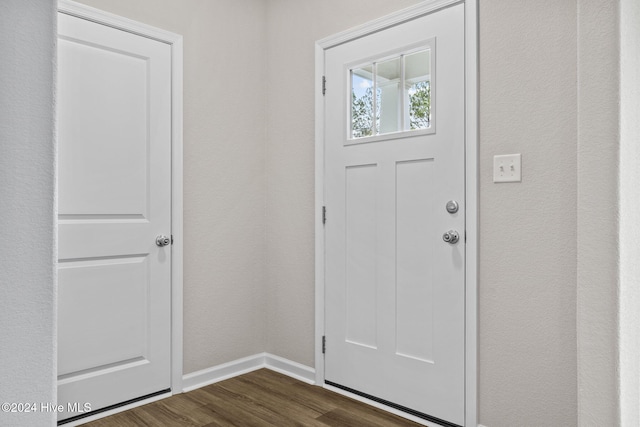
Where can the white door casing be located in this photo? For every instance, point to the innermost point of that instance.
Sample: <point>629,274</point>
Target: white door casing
<point>119,185</point>
<point>385,202</point>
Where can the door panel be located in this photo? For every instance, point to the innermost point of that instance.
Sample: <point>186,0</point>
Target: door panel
<point>394,290</point>
<point>360,263</point>
<point>414,244</point>
<point>120,127</point>
<point>114,186</point>
<point>92,289</point>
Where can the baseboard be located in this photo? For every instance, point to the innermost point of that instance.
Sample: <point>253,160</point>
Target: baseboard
<point>222,372</point>
<point>234,368</point>
<point>290,368</point>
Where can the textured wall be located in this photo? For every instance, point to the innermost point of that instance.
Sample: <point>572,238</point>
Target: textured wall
<point>27,209</point>
<point>598,216</point>
<point>629,211</point>
<point>527,259</point>
<point>608,320</point>
<point>224,178</point>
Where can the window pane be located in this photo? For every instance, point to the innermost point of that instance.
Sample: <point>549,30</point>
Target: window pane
<point>362,102</point>
<point>388,96</point>
<point>417,69</point>
<point>392,96</point>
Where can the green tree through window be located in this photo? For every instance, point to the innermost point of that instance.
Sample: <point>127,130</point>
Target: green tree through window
<point>419,109</point>
<point>420,105</point>
<point>362,116</point>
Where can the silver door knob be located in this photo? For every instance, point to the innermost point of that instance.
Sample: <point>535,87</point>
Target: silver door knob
<point>451,237</point>
<point>163,240</point>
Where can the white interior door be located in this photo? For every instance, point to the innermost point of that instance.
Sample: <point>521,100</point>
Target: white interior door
<point>114,198</point>
<point>394,159</point>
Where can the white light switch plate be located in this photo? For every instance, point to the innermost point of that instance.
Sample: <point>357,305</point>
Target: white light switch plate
<point>507,168</point>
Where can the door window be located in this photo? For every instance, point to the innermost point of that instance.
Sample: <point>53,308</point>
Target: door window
<point>392,95</point>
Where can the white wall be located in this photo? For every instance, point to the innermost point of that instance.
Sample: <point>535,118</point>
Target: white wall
<point>527,292</point>
<point>27,208</point>
<point>598,215</point>
<point>224,173</point>
<point>629,230</point>
<point>608,320</point>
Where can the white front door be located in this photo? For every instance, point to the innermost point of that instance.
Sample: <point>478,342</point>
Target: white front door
<point>114,198</point>
<point>394,163</point>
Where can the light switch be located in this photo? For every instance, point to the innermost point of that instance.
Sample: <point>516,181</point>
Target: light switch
<point>507,168</point>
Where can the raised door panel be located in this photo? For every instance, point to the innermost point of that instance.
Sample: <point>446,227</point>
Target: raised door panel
<point>103,163</point>
<point>103,314</point>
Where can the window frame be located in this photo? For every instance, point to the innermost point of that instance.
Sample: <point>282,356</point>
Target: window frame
<point>427,44</point>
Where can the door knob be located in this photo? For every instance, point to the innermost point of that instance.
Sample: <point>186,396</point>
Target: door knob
<point>163,240</point>
<point>451,237</point>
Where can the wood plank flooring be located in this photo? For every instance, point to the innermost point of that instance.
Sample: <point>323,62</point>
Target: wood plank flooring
<point>259,398</point>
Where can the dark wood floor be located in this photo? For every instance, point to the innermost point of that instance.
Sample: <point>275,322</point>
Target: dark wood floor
<point>259,398</point>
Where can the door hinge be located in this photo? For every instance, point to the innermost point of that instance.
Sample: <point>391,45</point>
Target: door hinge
<point>324,344</point>
<point>324,215</point>
<point>324,85</point>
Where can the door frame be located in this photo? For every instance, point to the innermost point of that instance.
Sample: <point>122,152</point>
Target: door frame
<point>175,41</point>
<point>471,185</point>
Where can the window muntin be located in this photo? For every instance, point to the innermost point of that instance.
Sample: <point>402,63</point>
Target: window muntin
<point>388,95</point>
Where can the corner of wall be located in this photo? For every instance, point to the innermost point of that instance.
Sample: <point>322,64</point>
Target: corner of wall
<point>599,213</point>
<point>629,229</point>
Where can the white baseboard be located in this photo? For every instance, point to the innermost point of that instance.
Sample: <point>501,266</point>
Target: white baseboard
<point>290,368</point>
<point>222,372</point>
<point>234,368</point>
